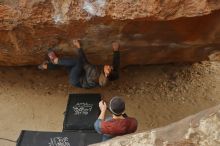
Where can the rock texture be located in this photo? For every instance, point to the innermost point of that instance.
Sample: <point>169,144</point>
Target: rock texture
<point>202,129</point>
<point>150,31</point>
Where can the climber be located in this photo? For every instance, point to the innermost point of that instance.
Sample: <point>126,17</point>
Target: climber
<point>82,73</point>
<point>117,124</point>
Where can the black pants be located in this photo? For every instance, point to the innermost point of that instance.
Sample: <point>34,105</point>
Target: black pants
<point>75,67</point>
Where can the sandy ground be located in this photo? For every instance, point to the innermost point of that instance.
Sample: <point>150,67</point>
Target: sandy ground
<point>156,95</point>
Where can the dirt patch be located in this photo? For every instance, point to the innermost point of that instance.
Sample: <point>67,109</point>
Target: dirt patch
<point>156,95</point>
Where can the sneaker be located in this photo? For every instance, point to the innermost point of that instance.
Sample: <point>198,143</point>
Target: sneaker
<point>41,66</point>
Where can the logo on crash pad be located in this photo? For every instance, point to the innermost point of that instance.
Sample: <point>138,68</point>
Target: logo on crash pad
<point>82,108</point>
<point>59,141</point>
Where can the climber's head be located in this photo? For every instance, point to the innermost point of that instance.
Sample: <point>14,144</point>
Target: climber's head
<point>107,70</point>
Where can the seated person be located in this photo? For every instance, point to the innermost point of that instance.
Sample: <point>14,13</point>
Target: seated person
<point>82,73</point>
<point>118,124</point>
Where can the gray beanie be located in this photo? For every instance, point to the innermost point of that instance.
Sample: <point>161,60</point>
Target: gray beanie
<point>117,105</point>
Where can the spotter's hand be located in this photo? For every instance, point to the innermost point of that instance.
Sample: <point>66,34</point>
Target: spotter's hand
<point>102,106</point>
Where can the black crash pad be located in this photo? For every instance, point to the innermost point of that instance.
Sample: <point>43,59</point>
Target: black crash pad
<point>81,112</point>
<point>37,138</point>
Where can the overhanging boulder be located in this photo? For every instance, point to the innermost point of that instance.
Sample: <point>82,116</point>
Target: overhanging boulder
<point>150,32</point>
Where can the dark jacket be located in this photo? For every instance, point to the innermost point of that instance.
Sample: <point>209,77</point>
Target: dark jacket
<point>91,74</point>
<point>114,75</point>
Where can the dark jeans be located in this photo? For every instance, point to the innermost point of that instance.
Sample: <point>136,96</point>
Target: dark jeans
<point>75,66</point>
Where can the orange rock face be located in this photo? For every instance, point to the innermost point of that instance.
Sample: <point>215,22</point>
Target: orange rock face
<point>150,31</point>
